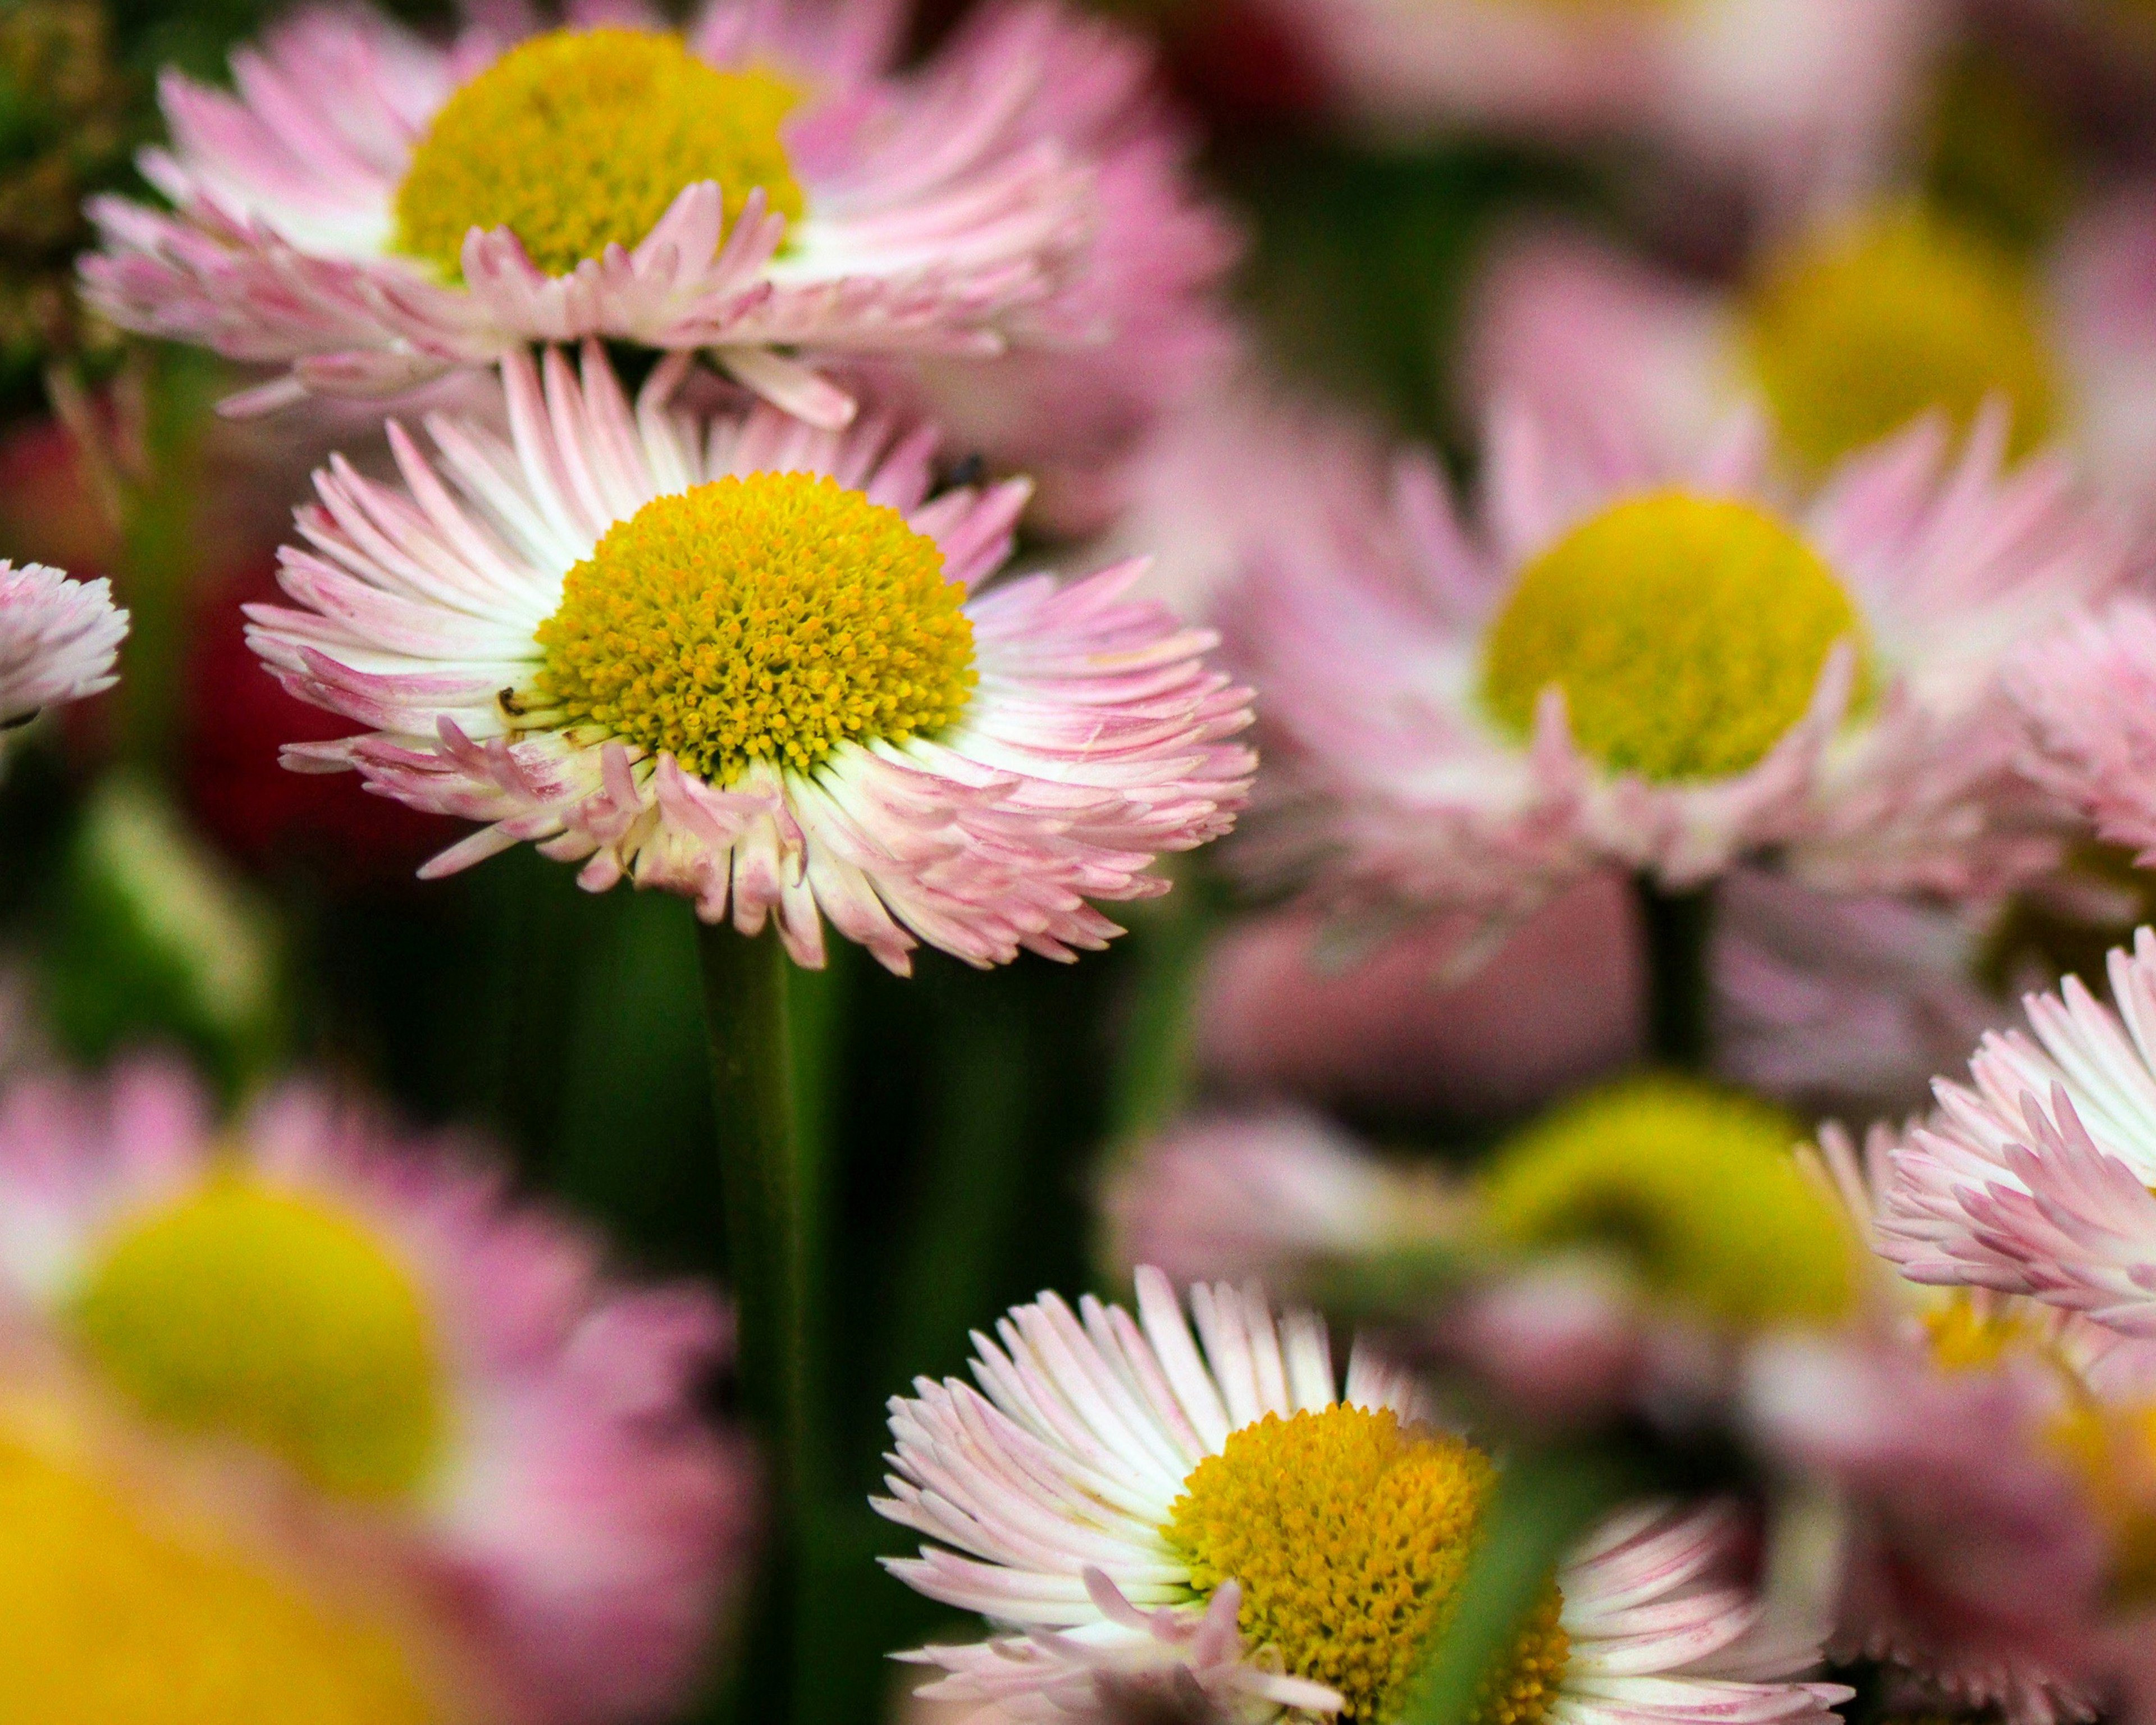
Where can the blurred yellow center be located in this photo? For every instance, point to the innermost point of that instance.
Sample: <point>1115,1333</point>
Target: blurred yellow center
<point>272,1317</point>
<point>1687,634</point>
<point>1349,1534</point>
<point>109,1618</point>
<point>1855,333</point>
<point>1697,1191</point>
<point>580,139</point>
<point>767,619</point>
<point>1965,1336</point>
<point>2113,1449</point>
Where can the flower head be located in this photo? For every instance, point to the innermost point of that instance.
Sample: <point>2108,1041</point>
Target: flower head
<point>752,663</point>
<point>1125,1509</point>
<point>59,639</point>
<point>391,1340</point>
<point>1659,664</point>
<point>371,210</point>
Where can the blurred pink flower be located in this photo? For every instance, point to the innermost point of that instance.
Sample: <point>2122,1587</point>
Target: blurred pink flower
<point>378,1317</point>
<point>945,209</point>
<point>2088,692</point>
<point>1396,784</point>
<point>1084,733</point>
<point>1808,102</point>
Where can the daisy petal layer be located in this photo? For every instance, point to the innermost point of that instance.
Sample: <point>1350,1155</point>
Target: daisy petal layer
<point>2034,1177</point>
<point>59,639</point>
<point>1096,739</point>
<point>937,213</point>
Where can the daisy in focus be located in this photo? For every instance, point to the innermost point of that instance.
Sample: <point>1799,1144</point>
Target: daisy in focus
<point>380,1336</point>
<point>1126,1510</point>
<point>755,664</point>
<point>371,210</point>
<point>1660,664</point>
<point>59,639</point>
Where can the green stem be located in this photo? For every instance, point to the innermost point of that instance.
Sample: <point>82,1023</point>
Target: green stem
<point>1544,1503</point>
<point>1156,1069</point>
<point>769,1202</point>
<point>1679,930</point>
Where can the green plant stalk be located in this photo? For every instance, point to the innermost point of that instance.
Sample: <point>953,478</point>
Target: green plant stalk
<point>1679,932</point>
<point>1544,1503</point>
<point>771,1200</point>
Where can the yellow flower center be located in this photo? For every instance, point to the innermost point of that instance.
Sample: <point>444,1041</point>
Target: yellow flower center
<point>1349,1534</point>
<point>109,1612</point>
<point>1966,1338</point>
<point>580,139</point>
<point>767,619</point>
<point>1696,1188</point>
<point>1855,333</point>
<point>1687,634</point>
<point>273,1317</point>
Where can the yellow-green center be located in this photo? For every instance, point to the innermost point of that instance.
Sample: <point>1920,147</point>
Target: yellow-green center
<point>111,1613</point>
<point>1349,1534</point>
<point>261,1314</point>
<point>578,140</point>
<point>767,619</point>
<point>1856,332</point>
<point>1695,1188</point>
<point>1688,634</point>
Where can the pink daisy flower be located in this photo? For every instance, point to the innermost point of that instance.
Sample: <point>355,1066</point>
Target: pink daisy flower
<point>754,663</point>
<point>59,639</point>
<point>2088,693</point>
<point>370,210</point>
<point>1846,331</point>
<point>2034,1177</point>
<point>1806,103</point>
<point>1131,1514</point>
<point>445,1370</point>
<point>1659,664</point>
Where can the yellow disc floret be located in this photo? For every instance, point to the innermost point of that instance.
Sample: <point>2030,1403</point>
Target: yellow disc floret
<point>1854,335</point>
<point>767,619</point>
<point>1687,634</point>
<point>1349,1534</point>
<point>110,1611</point>
<point>1697,1189</point>
<point>580,139</point>
<point>2112,1449</point>
<point>261,1314</point>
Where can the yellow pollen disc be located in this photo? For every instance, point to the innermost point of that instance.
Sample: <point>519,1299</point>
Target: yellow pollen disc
<point>1349,1533</point>
<point>273,1317</point>
<point>767,619</point>
<point>1853,336</point>
<point>1688,634</point>
<point>580,139</point>
<point>1696,1188</point>
<point>1965,1337</point>
<point>109,1613</point>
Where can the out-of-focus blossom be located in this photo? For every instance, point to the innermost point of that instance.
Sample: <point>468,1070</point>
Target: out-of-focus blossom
<point>965,765</point>
<point>1809,103</point>
<point>1846,333</point>
<point>1126,1511</point>
<point>373,210</point>
<point>59,638</point>
<point>163,1582</point>
<point>1392,1023</point>
<point>2086,689</point>
<point>1131,338</point>
<point>1836,1002</point>
<point>2034,1177</point>
<point>1654,663</point>
<point>385,1333</point>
